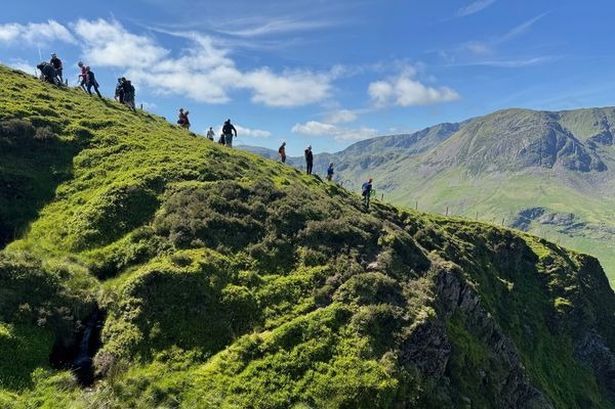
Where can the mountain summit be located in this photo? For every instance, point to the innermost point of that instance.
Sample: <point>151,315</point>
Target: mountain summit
<point>146,267</point>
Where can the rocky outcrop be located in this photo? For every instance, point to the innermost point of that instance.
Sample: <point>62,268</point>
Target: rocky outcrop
<point>456,296</point>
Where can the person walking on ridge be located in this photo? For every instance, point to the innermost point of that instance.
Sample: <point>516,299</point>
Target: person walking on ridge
<point>129,94</point>
<point>56,63</point>
<point>82,76</point>
<point>309,160</point>
<point>227,131</point>
<point>90,81</point>
<point>183,119</point>
<point>330,172</point>
<point>119,90</point>
<point>366,192</point>
<point>211,134</point>
<point>282,152</point>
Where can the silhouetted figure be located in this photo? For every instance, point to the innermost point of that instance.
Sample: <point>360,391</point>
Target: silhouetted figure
<point>366,192</point>
<point>48,74</point>
<point>183,119</point>
<point>129,94</point>
<point>228,131</point>
<point>282,152</point>
<point>90,82</point>
<point>56,63</point>
<point>330,172</point>
<point>309,160</point>
<point>119,90</point>
<point>211,134</point>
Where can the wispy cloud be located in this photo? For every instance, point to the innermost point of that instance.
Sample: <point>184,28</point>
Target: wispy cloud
<point>254,133</point>
<point>342,116</point>
<point>517,63</point>
<point>474,7</point>
<point>316,128</point>
<point>277,26</point>
<point>490,45</point>
<point>519,30</point>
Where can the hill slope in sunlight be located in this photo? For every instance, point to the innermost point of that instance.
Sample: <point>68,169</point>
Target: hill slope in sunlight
<point>163,270</point>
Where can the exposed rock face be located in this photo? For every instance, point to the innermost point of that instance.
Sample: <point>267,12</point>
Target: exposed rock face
<point>429,347</point>
<point>594,351</point>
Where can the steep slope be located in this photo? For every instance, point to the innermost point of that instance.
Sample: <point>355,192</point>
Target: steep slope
<point>503,166</point>
<point>218,279</point>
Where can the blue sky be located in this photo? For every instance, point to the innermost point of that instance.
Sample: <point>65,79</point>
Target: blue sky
<point>327,73</point>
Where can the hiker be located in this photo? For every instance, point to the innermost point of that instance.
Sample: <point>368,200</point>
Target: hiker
<point>211,134</point>
<point>90,81</point>
<point>282,152</point>
<point>227,131</point>
<point>119,90</point>
<point>183,119</point>
<point>129,94</point>
<point>330,172</point>
<point>366,192</point>
<point>82,76</point>
<point>221,140</point>
<point>48,74</point>
<point>309,160</point>
<point>56,63</point>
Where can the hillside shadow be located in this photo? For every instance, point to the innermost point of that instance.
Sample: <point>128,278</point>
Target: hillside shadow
<point>33,162</point>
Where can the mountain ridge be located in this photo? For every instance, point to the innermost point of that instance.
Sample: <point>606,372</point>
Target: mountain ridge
<point>496,167</point>
<point>164,270</point>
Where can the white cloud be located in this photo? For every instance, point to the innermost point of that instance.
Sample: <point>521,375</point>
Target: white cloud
<point>37,34</point>
<point>342,116</point>
<point>203,72</point>
<point>406,91</point>
<point>107,43</point>
<point>255,133</point>
<point>288,89</point>
<point>315,128</point>
<point>474,7</point>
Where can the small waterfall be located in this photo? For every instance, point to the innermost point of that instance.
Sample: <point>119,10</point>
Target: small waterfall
<point>87,347</point>
<point>77,353</point>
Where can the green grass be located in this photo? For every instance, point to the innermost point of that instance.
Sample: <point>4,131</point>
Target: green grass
<point>230,281</point>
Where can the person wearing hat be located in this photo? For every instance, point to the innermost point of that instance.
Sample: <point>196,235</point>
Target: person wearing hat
<point>56,63</point>
<point>309,160</point>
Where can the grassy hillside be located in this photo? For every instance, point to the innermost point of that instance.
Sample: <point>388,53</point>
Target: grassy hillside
<point>224,280</point>
<point>501,167</point>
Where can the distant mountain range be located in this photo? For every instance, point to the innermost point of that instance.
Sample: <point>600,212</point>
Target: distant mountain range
<point>550,173</point>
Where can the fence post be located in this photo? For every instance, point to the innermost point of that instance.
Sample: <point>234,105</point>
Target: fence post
<point>141,107</point>
<point>416,205</point>
<point>382,197</point>
<point>446,211</point>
